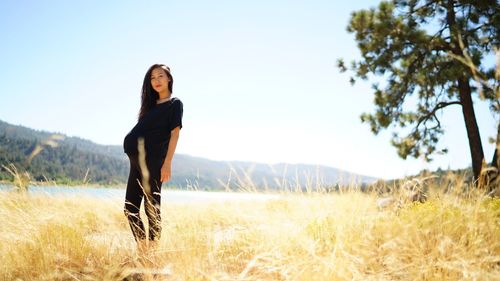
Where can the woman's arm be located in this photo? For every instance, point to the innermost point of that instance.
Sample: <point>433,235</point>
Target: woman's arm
<point>166,168</point>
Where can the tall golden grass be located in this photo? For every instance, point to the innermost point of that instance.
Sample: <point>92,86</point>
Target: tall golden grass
<point>300,236</point>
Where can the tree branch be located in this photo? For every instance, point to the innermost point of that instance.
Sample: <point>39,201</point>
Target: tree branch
<point>432,113</point>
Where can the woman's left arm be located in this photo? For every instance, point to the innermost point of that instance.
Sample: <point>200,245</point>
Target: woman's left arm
<point>166,168</point>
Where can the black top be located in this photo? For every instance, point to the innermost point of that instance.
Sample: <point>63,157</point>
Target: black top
<point>155,127</point>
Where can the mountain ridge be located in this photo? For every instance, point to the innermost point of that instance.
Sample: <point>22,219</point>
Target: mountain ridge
<point>70,158</point>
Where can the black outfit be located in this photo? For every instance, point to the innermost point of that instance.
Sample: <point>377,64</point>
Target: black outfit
<point>154,128</point>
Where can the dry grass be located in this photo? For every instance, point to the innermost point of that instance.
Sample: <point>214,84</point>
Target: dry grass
<point>298,237</point>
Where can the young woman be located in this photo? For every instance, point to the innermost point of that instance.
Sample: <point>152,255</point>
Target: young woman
<point>150,147</point>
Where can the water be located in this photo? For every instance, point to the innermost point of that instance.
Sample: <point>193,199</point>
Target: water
<point>168,196</point>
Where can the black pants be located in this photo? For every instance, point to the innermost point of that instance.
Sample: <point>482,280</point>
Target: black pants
<point>136,191</point>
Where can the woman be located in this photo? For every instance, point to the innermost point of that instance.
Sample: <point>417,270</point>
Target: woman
<point>150,147</point>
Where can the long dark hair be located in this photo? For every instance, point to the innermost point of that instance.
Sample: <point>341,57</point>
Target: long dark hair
<point>149,96</point>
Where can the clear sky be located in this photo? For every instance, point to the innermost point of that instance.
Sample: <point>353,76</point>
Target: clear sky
<point>257,78</point>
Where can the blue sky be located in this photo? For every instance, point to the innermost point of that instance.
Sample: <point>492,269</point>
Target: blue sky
<point>257,79</point>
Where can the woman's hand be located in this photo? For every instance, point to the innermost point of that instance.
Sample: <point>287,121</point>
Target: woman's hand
<point>166,168</point>
<point>166,171</point>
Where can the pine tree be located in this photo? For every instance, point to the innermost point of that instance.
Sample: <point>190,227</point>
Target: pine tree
<point>419,49</point>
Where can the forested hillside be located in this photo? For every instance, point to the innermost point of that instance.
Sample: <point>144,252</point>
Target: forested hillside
<point>71,160</point>
<point>59,158</point>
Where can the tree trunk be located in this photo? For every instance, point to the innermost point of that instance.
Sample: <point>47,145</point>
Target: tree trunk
<point>475,145</point>
<point>465,93</point>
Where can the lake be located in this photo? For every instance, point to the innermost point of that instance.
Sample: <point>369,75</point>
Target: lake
<point>168,196</point>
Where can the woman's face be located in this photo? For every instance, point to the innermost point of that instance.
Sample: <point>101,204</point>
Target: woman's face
<point>159,80</point>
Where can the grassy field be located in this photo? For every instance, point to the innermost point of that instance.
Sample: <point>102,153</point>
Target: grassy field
<point>316,236</point>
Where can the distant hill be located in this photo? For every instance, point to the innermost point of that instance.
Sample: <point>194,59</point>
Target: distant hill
<point>72,160</point>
